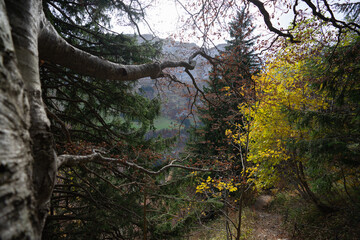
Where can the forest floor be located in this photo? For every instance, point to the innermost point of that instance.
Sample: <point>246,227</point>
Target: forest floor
<point>258,224</point>
<point>268,225</point>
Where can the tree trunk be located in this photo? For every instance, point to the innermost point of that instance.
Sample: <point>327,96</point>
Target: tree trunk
<point>28,161</point>
<point>17,219</point>
<point>320,205</point>
<point>241,200</point>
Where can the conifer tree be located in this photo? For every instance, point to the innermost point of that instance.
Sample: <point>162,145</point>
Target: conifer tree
<point>98,201</point>
<point>228,86</point>
<point>333,150</point>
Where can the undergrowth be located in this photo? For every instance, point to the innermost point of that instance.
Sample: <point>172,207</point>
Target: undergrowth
<point>215,230</point>
<point>304,221</point>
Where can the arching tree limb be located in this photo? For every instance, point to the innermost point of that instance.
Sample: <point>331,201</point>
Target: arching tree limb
<point>53,48</point>
<point>268,22</point>
<point>71,160</point>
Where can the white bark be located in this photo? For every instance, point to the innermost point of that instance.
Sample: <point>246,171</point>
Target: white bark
<point>16,195</point>
<point>29,161</point>
<point>53,48</point>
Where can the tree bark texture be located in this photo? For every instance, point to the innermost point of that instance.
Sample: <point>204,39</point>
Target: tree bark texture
<point>25,20</point>
<point>17,218</point>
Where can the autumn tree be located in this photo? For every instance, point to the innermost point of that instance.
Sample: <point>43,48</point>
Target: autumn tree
<point>291,115</point>
<point>280,86</point>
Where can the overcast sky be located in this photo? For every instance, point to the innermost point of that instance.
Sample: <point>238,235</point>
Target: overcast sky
<point>164,18</point>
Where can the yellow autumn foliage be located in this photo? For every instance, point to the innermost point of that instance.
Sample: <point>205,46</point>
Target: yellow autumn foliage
<point>215,187</point>
<point>281,86</point>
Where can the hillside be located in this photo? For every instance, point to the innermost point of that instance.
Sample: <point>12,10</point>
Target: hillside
<point>176,103</point>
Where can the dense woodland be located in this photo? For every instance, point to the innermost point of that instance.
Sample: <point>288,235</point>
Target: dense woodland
<point>82,155</point>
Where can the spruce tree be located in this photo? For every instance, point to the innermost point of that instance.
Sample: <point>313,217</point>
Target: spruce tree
<point>228,86</point>
<point>333,151</point>
<point>94,200</point>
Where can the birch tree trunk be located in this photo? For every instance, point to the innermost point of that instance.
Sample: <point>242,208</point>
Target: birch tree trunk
<point>17,205</point>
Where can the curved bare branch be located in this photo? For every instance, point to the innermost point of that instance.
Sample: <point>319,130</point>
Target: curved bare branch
<point>71,160</point>
<point>268,22</point>
<point>53,48</point>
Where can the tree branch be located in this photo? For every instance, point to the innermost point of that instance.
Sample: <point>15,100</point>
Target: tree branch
<point>53,48</point>
<point>71,160</point>
<point>336,23</point>
<point>268,23</point>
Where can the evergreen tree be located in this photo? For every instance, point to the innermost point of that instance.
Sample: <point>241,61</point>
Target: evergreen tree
<point>92,109</point>
<point>333,150</point>
<point>97,201</point>
<point>229,85</point>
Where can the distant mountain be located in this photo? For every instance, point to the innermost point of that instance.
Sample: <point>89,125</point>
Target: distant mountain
<point>175,100</point>
<point>175,51</point>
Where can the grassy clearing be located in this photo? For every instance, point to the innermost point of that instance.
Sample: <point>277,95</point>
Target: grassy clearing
<point>163,123</point>
<point>160,123</point>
